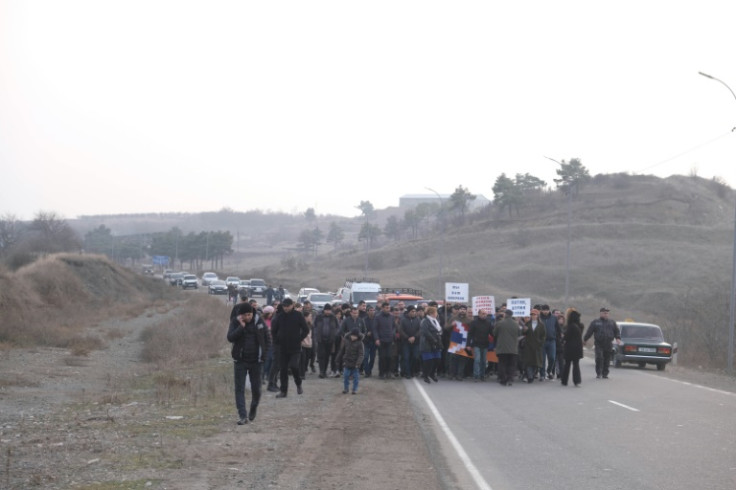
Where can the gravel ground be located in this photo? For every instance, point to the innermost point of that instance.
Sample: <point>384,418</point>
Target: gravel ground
<point>109,421</point>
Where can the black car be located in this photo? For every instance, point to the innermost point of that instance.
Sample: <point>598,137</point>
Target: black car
<point>642,344</point>
<point>217,287</point>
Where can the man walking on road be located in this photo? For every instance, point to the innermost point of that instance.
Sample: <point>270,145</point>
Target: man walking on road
<point>604,331</point>
<point>288,330</point>
<point>506,334</point>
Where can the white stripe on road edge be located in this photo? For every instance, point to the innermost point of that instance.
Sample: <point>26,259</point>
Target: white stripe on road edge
<point>695,385</point>
<point>625,406</point>
<point>453,440</point>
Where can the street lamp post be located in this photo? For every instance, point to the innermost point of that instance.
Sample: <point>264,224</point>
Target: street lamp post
<point>442,245</point>
<point>569,220</point>
<point>732,299</point>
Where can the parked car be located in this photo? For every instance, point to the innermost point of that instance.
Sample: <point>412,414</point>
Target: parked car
<point>208,277</point>
<point>189,281</point>
<point>319,300</point>
<point>257,287</point>
<point>304,292</point>
<point>217,287</point>
<point>642,344</point>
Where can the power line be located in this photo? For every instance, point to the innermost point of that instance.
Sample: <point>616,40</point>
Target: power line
<point>685,152</point>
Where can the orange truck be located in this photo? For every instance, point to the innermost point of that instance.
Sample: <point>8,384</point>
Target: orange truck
<point>409,296</point>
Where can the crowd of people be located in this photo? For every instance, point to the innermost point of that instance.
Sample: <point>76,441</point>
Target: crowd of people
<point>285,339</point>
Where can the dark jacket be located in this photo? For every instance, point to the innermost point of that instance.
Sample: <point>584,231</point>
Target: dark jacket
<point>384,328</point>
<point>351,352</point>
<point>348,324</point>
<point>604,331</point>
<point>534,347</point>
<point>409,327</point>
<point>250,341</point>
<point>573,342</point>
<point>430,339</point>
<point>288,331</point>
<point>479,332</point>
<point>325,329</point>
<point>506,333</point>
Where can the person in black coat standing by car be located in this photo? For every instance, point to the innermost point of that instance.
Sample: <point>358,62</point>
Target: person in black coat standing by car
<point>247,332</point>
<point>572,347</point>
<point>288,331</point>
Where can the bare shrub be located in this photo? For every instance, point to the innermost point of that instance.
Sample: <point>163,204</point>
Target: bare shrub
<point>719,185</point>
<point>82,346</point>
<point>114,333</point>
<point>200,322</point>
<point>522,238</point>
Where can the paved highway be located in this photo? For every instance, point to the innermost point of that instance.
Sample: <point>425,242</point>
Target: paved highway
<point>637,430</point>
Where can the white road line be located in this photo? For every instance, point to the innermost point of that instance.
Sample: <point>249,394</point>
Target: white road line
<point>625,406</point>
<point>479,480</point>
<point>694,385</point>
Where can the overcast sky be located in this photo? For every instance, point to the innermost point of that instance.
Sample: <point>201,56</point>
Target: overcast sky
<point>131,106</point>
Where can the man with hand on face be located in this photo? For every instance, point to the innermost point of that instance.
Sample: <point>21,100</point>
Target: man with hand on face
<point>250,345</point>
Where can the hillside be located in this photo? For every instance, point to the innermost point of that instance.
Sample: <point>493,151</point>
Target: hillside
<point>650,248</point>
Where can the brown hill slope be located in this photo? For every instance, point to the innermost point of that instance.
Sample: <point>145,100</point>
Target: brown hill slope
<point>50,301</point>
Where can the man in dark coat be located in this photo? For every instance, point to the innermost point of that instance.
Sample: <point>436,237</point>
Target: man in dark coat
<point>250,345</point>
<point>409,334</point>
<point>506,333</point>
<point>324,331</point>
<point>480,329</point>
<point>604,331</point>
<point>384,331</point>
<point>288,330</point>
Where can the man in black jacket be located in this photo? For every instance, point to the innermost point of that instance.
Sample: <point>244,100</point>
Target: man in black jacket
<point>409,334</point>
<point>604,331</point>
<point>324,332</point>
<point>250,344</point>
<point>288,330</point>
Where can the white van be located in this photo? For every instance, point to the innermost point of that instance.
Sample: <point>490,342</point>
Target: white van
<point>362,290</point>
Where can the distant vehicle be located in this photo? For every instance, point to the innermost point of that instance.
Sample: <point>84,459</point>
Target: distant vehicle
<point>175,278</point>
<point>642,344</point>
<point>257,287</point>
<point>244,287</point>
<point>167,273</point>
<point>356,290</point>
<point>147,269</point>
<point>235,281</point>
<point>217,287</point>
<point>304,292</point>
<point>409,296</point>
<point>189,281</point>
<point>208,277</point>
<point>319,300</point>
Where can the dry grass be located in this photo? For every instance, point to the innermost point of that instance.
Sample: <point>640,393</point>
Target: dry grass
<point>198,322</point>
<point>52,301</point>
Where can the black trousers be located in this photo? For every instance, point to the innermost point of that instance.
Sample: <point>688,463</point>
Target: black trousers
<point>289,362</point>
<point>506,368</point>
<point>384,358</point>
<point>324,348</point>
<point>576,378</point>
<point>253,371</point>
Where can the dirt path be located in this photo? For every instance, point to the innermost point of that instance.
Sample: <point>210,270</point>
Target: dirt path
<point>100,423</point>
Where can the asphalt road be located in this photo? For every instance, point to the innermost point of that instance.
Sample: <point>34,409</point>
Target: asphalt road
<point>636,430</point>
